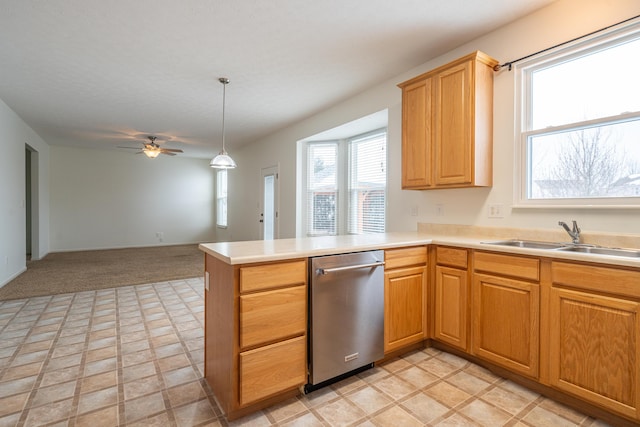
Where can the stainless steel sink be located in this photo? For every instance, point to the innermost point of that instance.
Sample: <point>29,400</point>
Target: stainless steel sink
<point>568,247</point>
<point>602,251</point>
<point>532,244</point>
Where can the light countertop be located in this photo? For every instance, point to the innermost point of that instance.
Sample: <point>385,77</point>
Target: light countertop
<point>247,252</point>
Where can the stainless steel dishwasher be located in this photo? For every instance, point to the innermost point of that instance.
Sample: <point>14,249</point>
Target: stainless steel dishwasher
<point>346,315</point>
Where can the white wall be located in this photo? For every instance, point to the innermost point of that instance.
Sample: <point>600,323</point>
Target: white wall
<point>112,199</point>
<point>14,134</point>
<point>559,22</point>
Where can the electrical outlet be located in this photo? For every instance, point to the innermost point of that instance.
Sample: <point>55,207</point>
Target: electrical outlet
<point>414,210</point>
<point>206,280</point>
<point>439,210</point>
<point>495,211</point>
<point>160,235</point>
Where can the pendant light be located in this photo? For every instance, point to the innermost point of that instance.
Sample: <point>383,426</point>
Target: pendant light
<point>222,160</point>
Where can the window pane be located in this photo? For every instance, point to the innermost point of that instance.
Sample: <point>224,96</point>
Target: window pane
<point>601,84</point>
<point>322,189</point>
<point>367,184</point>
<point>595,162</point>
<point>221,198</point>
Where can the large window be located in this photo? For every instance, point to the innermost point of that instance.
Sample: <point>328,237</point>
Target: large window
<point>580,123</point>
<point>221,198</point>
<point>346,185</point>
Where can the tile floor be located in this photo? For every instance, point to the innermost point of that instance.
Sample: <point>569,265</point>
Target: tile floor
<point>133,356</point>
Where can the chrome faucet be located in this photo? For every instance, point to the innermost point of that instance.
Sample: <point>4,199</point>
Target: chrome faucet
<point>575,233</point>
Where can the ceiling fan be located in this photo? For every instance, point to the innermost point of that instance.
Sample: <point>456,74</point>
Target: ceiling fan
<point>153,150</point>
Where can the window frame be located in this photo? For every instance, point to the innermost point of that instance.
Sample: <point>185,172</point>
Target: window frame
<point>222,215</point>
<point>524,116</point>
<point>343,178</point>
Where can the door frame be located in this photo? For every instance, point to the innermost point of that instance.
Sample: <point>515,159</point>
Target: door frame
<point>264,172</point>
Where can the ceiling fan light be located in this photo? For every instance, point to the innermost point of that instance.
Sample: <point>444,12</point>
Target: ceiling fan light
<point>152,154</point>
<point>222,161</point>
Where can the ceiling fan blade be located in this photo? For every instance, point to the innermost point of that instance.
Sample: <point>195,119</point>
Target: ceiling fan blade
<point>167,153</point>
<point>130,148</point>
<point>171,150</point>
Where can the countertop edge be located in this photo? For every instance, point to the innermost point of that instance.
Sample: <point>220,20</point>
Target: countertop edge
<point>285,249</point>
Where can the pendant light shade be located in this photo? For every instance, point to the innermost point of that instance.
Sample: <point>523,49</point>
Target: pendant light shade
<point>223,160</point>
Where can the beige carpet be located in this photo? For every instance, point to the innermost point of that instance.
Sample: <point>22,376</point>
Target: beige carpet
<point>63,272</point>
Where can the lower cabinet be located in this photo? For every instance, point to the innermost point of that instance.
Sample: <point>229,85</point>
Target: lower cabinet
<point>505,311</point>
<point>451,307</point>
<point>595,337</point>
<point>268,370</point>
<point>255,332</point>
<point>405,291</point>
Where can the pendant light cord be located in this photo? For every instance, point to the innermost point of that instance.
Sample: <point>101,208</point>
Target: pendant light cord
<point>224,82</point>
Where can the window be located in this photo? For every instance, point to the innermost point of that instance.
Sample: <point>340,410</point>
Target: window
<point>346,185</point>
<point>221,198</point>
<point>580,123</point>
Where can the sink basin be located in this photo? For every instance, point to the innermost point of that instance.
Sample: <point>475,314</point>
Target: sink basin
<point>633,253</point>
<point>568,247</point>
<point>532,244</point>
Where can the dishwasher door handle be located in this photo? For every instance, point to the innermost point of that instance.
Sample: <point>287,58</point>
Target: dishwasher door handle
<point>323,271</point>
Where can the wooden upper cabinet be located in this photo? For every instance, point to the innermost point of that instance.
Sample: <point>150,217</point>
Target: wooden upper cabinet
<point>417,134</point>
<point>447,125</point>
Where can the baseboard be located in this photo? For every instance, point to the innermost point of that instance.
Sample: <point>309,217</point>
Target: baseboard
<point>10,278</point>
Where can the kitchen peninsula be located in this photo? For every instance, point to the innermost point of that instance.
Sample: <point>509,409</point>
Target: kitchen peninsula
<point>522,312</point>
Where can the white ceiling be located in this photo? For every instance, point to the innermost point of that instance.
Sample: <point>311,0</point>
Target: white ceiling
<point>101,74</point>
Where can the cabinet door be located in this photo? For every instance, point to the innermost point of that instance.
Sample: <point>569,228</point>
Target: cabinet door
<point>453,149</point>
<point>404,307</point>
<point>416,134</point>
<point>594,348</point>
<point>272,369</point>
<point>506,322</point>
<point>451,290</point>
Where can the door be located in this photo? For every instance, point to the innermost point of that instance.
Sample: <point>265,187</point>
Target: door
<point>269,204</point>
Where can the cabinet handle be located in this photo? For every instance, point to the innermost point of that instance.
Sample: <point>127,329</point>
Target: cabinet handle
<point>323,271</point>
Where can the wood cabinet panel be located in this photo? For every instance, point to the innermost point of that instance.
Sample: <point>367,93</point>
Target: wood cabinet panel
<point>453,120</point>
<point>272,315</point>
<point>454,257</point>
<point>507,265</point>
<point>506,322</point>
<point>275,368</point>
<point>447,119</point>
<point>405,257</point>
<point>597,278</point>
<point>405,318</point>
<point>451,306</point>
<point>268,276</point>
<point>594,348</point>
<point>417,134</point>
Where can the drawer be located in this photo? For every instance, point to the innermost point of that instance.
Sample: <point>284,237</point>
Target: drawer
<point>272,369</point>
<point>268,276</point>
<point>507,265</point>
<point>404,257</point>
<point>272,315</point>
<point>454,257</point>
<point>596,278</point>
